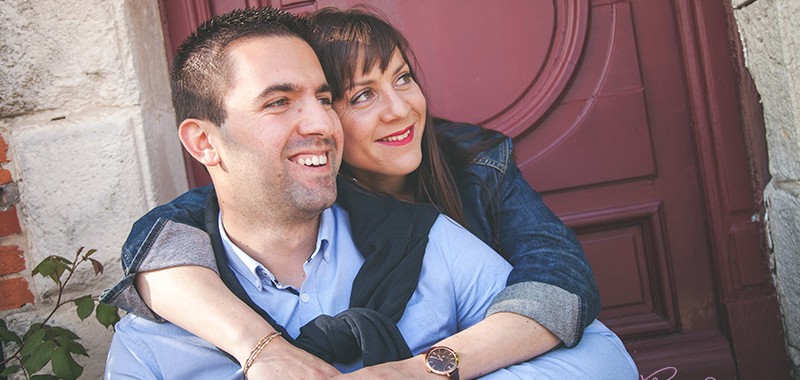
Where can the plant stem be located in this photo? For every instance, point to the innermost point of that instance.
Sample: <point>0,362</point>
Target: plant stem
<point>61,287</point>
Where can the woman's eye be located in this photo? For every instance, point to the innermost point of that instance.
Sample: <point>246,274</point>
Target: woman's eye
<point>362,97</point>
<point>404,79</point>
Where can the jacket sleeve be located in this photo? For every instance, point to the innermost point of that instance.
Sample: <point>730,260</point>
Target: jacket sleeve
<point>168,236</point>
<point>551,282</point>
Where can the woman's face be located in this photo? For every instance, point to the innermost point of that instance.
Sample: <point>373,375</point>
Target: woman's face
<point>383,118</point>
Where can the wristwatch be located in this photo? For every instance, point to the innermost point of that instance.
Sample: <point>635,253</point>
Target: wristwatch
<point>442,360</point>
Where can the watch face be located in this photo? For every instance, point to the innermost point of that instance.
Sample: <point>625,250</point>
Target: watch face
<point>442,360</point>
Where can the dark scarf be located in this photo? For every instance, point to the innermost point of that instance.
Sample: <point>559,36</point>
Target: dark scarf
<point>392,237</point>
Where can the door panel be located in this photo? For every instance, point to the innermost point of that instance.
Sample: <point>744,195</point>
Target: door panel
<point>601,99</point>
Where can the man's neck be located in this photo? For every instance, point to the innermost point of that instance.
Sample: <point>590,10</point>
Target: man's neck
<point>281,246</point>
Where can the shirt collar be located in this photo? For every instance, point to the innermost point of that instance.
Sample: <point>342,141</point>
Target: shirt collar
<point>248,268</point>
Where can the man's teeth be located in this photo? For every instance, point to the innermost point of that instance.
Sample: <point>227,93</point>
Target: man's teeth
<point>398,137</point>
<point>313,160</point>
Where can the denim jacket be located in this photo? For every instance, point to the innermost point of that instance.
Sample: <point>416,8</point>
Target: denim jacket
<point>551,282</point>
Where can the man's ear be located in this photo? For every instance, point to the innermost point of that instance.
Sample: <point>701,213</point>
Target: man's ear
<point>196,137</point>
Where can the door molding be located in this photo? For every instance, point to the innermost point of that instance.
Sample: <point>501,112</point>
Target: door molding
<point>732,194</point>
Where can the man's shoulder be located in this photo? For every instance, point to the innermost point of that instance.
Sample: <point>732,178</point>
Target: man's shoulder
<point>146,349</point>
<point>133,326</point>
<point>460,247</point>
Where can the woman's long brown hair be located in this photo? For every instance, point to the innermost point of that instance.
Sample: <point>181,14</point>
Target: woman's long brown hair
<point>339,38</point>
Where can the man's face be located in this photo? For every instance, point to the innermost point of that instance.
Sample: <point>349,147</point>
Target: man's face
<point>281,144</point>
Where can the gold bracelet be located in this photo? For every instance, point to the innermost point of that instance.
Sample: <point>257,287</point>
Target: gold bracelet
<point>258,348</point>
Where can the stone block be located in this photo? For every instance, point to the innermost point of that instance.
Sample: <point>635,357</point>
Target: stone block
<point>81,184</point>
<point>62,54</point>
<point>784,224</point>
<point>768,32</point>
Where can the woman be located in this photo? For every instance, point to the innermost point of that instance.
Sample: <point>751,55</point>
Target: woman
<point>393,147</point>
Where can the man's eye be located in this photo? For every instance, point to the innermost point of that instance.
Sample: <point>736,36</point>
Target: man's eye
<point>277,103</point>
<point>326,101</point>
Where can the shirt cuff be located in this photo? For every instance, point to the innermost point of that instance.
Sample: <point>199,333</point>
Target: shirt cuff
<point>557,310</point>
<point>168,245</point>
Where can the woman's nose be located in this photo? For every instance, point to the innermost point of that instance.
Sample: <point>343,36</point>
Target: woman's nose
<point>394,107</point>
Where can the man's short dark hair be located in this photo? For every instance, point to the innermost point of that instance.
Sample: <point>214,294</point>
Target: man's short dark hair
<point>201,71</point>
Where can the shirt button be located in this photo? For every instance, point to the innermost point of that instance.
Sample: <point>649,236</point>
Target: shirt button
<point>304,297</point>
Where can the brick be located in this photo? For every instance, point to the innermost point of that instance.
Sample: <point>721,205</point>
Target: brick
<point>5,176</point>
<point>3,150</point>
<point>9,223</point>
<point>14,293</point>
<point>11,260</point>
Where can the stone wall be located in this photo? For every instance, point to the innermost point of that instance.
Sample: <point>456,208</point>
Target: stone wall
<point>770,32</point>
<point>88,141</point>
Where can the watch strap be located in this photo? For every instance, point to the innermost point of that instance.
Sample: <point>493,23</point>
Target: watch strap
<point>453,375</point>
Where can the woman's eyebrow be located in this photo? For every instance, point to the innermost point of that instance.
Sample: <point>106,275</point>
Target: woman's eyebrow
<point>403,65</point>
<point>363,82</point>
<point>399,68</point>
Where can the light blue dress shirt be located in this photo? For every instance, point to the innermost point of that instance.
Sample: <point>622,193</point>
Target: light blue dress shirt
<point>460,276</point>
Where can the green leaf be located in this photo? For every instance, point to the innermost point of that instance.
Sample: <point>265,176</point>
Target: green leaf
<point>97,266</point>
<point>54,331</point>
<point>71,345</point>
<point>85,306</point>
<point>7,335</point>
<point>89,253</point>
<point>44,377</point>
<point>32,329</point>
<point>53,267</point>
<point>32,341</point>
<point>64,366</point>
<point>10,370</point>
<point>45,268</point>
<point>62,261</point>
<point>62,265</point>
<point>107,315</point>
<point>39,357</point>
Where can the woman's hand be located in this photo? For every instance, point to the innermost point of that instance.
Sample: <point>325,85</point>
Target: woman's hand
<point>282,360</point>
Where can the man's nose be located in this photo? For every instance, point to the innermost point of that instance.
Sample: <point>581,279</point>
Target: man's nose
<point>316,119</point>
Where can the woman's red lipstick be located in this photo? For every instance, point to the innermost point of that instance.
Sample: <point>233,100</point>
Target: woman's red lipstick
<point>400,138</point>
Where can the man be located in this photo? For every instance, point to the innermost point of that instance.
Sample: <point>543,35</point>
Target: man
<point>272,150</point>
<point>254,108</point>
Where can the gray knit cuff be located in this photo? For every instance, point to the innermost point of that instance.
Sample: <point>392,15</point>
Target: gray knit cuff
<point>173,244</point>
<point>552,307</point>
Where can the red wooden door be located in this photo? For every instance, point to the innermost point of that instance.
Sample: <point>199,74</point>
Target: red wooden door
<point>616,117</point>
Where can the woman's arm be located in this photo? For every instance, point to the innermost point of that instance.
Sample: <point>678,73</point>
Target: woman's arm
<point>551,281</point>
<point>472,274</point>
<point>197,300</point>
<point>499,341</point>
<point>169,259</point>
